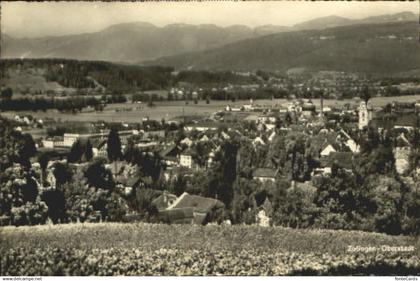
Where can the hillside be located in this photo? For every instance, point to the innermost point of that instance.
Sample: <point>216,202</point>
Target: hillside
<point>44,76</point>
<point>380,48</point>
<point>325,22</point>
<point>335,21</point>
<point>140,41</point>
<point>156,249</point>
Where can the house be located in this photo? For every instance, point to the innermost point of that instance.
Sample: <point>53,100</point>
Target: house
<point>70,138</point>
<point>189,209</point>
<point>327,149</point>
<point>224,136</point>
<point>248,107</point>
<point>264,174</point>
<point>308,110</point>
<point>262,218</point>
<point>204,138</point>
<point>187,141</point>
<point>406,121</point>
<point>146,144</point>
<point>342,160</point>
<point>267,118</point>
<point>270,127</point>
<point>53,142</point>
<point>272,136</point>
<point>349,142</point>
<point>177,216</point>
<point>99,148</point>
<point>176,172</point>
<point>185,158</point>
<point>258,141</point>
<point>201,127</point>
<point>117,167</point>
<point>327,142</point>
<point>164,200</point>
<point>402,153</point>
<point>170,155</point>
<point>153,134</point>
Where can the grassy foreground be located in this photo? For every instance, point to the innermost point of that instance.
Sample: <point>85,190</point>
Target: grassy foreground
<point>147,249</point>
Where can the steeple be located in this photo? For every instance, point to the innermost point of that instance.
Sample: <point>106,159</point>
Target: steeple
<point>365,114</point>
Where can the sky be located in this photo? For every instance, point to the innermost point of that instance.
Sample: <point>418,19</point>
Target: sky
<point>37,19</point>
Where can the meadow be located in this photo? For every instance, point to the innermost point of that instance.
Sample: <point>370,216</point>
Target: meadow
<point>156,249</point>
<point>133,113</point>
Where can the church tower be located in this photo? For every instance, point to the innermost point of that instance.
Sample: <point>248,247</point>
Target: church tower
<point>365,114</point>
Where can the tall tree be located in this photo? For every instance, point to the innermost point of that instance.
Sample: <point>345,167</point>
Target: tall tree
<point>62,174</point>
<point>98,176</point>
<point>25,149</point>
<point>114,146</point>
<point>365,94</point>
<point>88,151</point>
<point>43,159</point>
<point>76,152</point>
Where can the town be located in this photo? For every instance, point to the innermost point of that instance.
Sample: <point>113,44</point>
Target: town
<point>278,163</point>
<point>209,138</point>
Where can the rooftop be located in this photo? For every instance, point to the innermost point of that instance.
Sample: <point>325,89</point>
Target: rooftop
<point>198,203</point>
<point>264,173</point>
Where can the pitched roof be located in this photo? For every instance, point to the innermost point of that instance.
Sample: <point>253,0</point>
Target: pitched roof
<point>187,151</point>
<point>258,140</point>
<point>186,140</point>
<point>132,181</point>
<point>341,159</point>
<point>179,215</point>
<point>198,203</point>
<point>264,173</point>
<point>163,200</point>
<point>407,120</point>
<point>98,143</point>
<point>169,151</point>
<point>402,141</point>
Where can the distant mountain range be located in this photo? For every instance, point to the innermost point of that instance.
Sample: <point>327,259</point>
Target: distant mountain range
<point>386,48</point>
<point>334,21</point>
<point>139,41</point>
<point>131,42</point>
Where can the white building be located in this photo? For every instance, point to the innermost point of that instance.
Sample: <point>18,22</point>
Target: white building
<point>365,114</point>
<point>185,159</point>
<point>327,150</point>
<point>264,175</point>
<point>402,152</point>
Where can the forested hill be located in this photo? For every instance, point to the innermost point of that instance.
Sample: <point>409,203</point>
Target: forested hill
<point>37,73</point>
<point>386,48</point>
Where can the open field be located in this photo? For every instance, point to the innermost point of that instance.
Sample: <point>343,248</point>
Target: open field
<point>132,113</point>
<point>32,81</point>
<point>152,249</point>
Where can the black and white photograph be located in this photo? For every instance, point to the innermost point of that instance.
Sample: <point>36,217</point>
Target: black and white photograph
<point>210,138</point>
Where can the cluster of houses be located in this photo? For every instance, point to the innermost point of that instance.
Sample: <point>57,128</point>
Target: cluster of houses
<point>202,140</point>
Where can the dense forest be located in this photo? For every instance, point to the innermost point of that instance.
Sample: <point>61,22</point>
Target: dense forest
<point>76,74</point>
